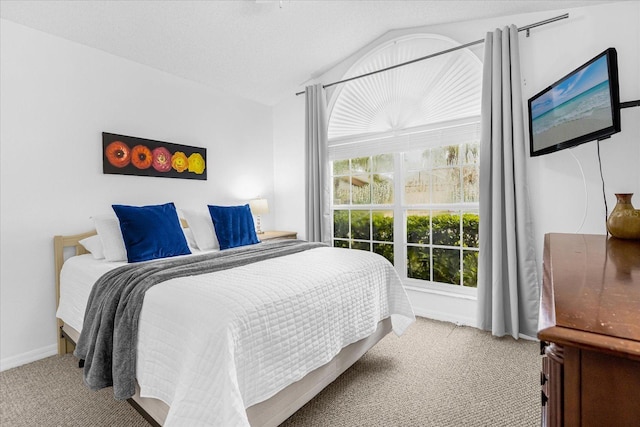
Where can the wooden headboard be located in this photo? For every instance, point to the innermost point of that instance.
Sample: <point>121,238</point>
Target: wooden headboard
<point>59,245</point>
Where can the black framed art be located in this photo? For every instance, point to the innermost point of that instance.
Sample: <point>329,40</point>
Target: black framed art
<point>128,155</point>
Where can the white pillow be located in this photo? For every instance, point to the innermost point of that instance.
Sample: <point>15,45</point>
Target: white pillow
<point>108,228</point>
<point>94,245</point>
<point>191,240</point>
<point>201,224</point>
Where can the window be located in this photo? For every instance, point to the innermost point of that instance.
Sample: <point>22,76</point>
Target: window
<point>433,192</point>
<point>441,212</point>
<point>404,150</point>
<point>363,194</point>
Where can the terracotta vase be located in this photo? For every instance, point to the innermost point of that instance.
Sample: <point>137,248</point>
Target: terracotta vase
<point>624,221</point>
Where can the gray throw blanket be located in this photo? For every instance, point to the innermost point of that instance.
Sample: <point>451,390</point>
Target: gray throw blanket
<point>109,336</point>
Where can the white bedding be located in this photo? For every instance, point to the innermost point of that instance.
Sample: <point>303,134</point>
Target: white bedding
<point>212,345</point>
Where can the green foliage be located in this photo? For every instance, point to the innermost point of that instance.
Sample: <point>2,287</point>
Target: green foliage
<point>360,225</point>
<point>470,230</point>
<point>446,229</point>
<point>384,249</point>
<point>418,229</point>
<point>470,268</point>
<point>382,227</point>
<point>341,243</point>
<point>443,228</point>
<point>446,266</point>
<point>341,224</point>
<point>418,263</point>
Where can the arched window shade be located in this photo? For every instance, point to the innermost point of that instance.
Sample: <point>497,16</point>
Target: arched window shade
<point>441,89</point>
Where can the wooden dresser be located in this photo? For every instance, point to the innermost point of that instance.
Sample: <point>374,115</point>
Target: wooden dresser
<point>589,331</point>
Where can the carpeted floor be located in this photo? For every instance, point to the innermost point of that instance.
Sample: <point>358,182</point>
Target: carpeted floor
<point>437,374</point>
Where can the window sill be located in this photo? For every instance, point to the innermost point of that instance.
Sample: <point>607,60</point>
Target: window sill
<point>439,289</point>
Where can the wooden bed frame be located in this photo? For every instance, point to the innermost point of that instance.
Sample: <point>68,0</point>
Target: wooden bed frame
<point>271,412</point>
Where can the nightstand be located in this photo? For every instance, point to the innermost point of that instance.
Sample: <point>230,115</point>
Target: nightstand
<point>270,235</point>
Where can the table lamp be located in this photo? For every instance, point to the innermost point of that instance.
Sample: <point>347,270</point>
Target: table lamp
<point>259,207</point>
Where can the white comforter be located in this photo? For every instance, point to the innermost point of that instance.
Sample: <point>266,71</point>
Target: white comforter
<point>212,345</point>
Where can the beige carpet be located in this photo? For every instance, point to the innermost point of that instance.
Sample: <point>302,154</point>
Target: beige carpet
<point>437,374</point>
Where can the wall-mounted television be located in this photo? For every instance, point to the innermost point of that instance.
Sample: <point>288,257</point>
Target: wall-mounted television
<point>582,106</point>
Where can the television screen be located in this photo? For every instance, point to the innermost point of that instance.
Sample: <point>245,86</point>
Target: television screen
<point>580,107</point>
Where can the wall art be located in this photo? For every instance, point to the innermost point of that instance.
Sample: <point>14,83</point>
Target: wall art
<point>128,155</point>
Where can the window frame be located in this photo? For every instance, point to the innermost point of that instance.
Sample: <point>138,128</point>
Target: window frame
<point>359,146</point>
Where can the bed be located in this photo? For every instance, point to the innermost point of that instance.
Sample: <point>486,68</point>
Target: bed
<point>266,371</point>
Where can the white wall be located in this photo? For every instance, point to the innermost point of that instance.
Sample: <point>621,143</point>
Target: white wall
<point>57,98</point>
<point>289,168</point>
<point>557,189</point>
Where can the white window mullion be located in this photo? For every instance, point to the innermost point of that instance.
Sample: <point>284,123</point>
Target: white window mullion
<point>399,219</point>
<point>461,200</point>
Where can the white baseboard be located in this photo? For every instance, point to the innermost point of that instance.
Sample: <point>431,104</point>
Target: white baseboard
<point>458,309</point>
<point>28,357</point>
<point>445,317</point>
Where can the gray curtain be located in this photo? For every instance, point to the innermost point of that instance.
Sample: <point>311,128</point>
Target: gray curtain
<point>508,284</point>
<point>318,226</point>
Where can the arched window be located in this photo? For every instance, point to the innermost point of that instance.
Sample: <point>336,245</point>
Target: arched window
<point>404,149</point>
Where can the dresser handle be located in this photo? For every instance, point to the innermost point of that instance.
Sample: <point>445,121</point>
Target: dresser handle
<point>543,398</point>
<point>543,345</point>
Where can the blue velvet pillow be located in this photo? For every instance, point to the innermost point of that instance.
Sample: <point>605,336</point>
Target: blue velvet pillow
<point>234,226</point>
<point>151,232</point>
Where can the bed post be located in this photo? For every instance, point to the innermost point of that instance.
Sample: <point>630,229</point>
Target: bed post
<point>58,250</point>
<point>59,243</point>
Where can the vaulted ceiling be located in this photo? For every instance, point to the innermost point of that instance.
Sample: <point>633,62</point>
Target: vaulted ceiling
<point>258,49</point>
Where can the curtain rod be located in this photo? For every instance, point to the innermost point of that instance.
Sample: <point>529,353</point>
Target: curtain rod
<point>402,64</point>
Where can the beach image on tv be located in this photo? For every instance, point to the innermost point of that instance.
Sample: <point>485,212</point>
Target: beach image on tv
<point>577,106</point>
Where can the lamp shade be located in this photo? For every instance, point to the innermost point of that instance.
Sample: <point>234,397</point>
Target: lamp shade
<point>259,206</point>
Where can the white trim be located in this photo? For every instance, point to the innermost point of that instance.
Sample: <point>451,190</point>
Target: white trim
<point>455,291</point>
<point>28,357</point>
<point>443,306</point>
<point>449,290</point>
<point>453,132</point>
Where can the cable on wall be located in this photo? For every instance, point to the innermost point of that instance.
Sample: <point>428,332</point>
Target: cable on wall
<point>586,194</point>
<point>604,194</point>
